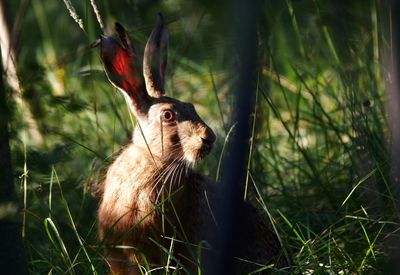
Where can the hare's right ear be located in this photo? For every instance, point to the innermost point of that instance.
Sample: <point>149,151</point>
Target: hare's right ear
<point>123,69</point>
<point>155,58</point>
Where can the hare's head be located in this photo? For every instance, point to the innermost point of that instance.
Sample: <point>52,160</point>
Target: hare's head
<point>169,128</point>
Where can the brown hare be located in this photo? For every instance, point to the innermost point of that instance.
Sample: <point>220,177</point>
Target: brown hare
<point>152,202</point>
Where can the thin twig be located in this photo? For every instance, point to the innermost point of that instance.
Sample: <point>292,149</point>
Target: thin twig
<point>98,16</point>
<point>73,14</point>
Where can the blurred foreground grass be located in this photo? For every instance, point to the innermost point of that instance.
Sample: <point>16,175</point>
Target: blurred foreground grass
<point>319,148</point>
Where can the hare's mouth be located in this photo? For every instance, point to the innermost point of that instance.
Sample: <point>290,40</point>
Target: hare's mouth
<point>196,155</point>
<point>204,150</point>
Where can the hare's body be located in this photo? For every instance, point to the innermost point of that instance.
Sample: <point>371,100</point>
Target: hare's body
<point>152,201</point>
<point>129,215</point>
<point>128,211</point>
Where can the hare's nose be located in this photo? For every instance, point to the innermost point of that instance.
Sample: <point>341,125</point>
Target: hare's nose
<point>208,137</point>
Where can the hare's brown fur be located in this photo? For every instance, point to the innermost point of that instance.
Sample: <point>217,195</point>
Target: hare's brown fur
<point>151,197</point>
<point>133,184</point>
<point>128,213</point>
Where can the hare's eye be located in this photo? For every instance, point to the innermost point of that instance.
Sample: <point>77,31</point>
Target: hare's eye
<point>167,115</point>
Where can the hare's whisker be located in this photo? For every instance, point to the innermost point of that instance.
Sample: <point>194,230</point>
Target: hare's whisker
<point>166,171</point>
<point>180,173</point>
<point>173,174</point>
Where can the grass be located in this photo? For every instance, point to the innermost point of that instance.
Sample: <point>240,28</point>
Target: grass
<point>319,163</point>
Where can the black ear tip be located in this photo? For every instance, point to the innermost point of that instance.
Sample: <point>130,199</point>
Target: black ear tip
<point>119,27</point>
<point>123,35</point>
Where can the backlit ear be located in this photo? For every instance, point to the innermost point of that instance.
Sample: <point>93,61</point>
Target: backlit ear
<point>155,58</point>
<point>122,69</point>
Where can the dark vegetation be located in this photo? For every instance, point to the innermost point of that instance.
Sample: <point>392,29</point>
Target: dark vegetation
<point>319,150</point>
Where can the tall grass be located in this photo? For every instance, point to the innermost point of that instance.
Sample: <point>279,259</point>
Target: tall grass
<point>319,161</point>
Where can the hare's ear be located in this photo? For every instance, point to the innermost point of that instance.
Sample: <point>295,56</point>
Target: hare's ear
<point>155,58</point>
<point>122,69</point>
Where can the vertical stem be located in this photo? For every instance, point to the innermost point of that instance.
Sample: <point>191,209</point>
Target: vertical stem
<point>243,14</point>
<point>393,107</point>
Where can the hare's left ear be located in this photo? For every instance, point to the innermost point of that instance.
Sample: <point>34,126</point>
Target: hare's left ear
<point>123,69</point>
<point>155,58</point>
